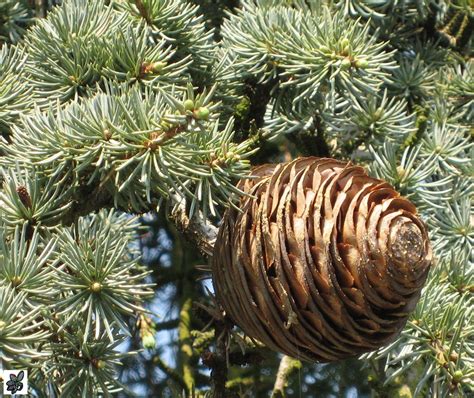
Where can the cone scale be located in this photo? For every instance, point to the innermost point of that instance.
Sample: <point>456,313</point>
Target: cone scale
<point>322,262</point>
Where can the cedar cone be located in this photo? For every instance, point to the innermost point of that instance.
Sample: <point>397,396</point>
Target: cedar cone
<point>322,262</point>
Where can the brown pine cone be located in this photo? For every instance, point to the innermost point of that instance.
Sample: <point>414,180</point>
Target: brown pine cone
<point>322,262</point>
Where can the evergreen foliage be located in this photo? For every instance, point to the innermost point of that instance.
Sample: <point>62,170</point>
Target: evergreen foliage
<point>113,109</point>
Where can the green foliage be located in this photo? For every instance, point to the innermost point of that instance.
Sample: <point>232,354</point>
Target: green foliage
<point>316,52</point>
<point>60,63</point>
<point>131,143</point>
<point>17,330</point>
<point>460,87</point>
<point>97,276</point>
<point>14,17</point>
<point>180,25</point>
<point>31,198</point>
<point>26,265</point>
<point>110,108</point>
<point>14,93</point>
<point>372,120</point>
<point>379,10</point>
<point>85,369</point>
<point>413,80</point>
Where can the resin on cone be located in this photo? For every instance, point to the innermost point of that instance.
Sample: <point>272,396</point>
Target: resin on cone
<point>322,262</point>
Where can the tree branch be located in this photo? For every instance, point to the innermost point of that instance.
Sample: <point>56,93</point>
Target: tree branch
<point>143,12</point>
<point>217,362</point>
<point>287,366</point>
<point>167,325</point>
<point>186,350</point>
<point>40,8</point>
<point>198,229</point>
<point>170,372</point>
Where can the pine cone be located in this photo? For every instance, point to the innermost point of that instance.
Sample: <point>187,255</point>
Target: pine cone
<point>322,262</point>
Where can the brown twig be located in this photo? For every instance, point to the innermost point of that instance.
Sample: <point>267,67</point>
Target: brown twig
<point>197,229</point>
<point>40,8</point>
<point>142,10</point>
<point>217,362</point>
<point>170,372</point>
<point>287,367</point>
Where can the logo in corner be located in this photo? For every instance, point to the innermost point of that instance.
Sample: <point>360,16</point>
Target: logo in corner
<point>15,382</point>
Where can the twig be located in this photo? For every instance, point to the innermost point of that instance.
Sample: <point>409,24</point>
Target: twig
<point>198,229</point>
<point>143,12</point>
<point>170,372</point>
<point>287,366</point>
<point>186,350</point>
<point>217,361</point>
<point>87,201</point>
<point>180,259</point>
<point>167,325</point>
<point>40,7</point>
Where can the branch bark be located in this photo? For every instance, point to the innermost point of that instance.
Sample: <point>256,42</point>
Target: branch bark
<point>40,8</point>
<point>170,372</point>
<point>143,12</point>
<point>198,229</point>
<point>287,367</point>
<point>186,351</point>
<point>217,362</point>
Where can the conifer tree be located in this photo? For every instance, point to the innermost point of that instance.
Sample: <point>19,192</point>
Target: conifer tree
<point>125,128</point>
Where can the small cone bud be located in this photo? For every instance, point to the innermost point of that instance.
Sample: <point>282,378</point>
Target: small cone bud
<point>202,113</point>
<point>403,392</point>
<point>148,341</point>
<point>378,114</point>
<point>98,363</point>
<point>107,134</point>
<point>401,172</point>
<point>157,67</point>
<point>16,281</point>
<point>457,376</point>
<point>362,64</point>
<point>346,63</point>
<point>24,196</point>
<point>453,357</point>
<point>345,42</point>
<point>189,105</point>
<point>96,287</point>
